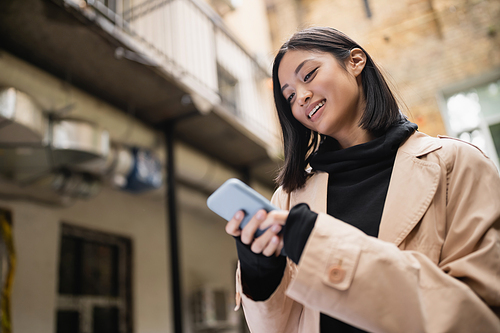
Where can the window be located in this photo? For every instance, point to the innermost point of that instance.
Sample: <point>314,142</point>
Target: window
<point>94,282</point>
<point>228,89</point>
<point>473,115</point>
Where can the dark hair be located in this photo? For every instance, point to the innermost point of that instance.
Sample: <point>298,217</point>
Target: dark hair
<point>381,110</point>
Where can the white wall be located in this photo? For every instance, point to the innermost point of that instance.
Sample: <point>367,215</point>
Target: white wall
<point>208,255</point>
<point>249,23</point>
<point>37,237</point>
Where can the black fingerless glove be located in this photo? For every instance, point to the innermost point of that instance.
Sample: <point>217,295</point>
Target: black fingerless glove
<point>260,275</point>
<point>298,227</point>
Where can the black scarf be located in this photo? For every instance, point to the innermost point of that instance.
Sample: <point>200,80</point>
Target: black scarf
<point>360,175</point>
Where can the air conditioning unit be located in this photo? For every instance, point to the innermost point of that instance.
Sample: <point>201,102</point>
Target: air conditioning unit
<point>210,309</point>
<point>51,158</point>
<point>21,119</point>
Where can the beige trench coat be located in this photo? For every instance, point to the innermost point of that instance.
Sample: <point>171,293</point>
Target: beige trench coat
<point>435,266</point>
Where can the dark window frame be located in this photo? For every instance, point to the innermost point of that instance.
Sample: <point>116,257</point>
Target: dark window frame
<point>85,303</point>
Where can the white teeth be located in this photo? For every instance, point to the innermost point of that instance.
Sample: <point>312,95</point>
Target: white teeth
<point>316,108</point>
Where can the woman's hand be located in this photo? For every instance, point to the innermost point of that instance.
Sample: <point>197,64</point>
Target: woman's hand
<point>269,242</point>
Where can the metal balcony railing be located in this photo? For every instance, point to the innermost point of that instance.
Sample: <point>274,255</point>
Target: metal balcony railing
<point>194,46</point>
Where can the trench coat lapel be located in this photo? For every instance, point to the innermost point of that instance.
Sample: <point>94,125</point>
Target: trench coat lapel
<point>413,185</point>
<point>314,193</point>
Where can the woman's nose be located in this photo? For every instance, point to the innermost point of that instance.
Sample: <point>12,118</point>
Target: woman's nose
<point>304,97</point>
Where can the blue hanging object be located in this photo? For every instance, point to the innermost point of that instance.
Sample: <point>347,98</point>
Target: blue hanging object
<point>146,173</point>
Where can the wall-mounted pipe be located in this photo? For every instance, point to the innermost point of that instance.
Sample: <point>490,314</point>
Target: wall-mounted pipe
<point>172,225</point>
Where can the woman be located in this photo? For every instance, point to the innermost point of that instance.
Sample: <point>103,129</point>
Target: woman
<point>385,229</point>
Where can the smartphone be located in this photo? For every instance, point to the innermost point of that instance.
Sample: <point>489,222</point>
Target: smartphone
<point>234,195</point>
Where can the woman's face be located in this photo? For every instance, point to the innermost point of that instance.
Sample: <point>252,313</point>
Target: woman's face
<point>324,96</point>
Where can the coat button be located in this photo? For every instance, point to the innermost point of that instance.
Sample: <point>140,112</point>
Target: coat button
<point>336,274</point>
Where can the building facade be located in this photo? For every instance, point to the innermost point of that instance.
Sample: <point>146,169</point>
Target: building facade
<point>117,120</point>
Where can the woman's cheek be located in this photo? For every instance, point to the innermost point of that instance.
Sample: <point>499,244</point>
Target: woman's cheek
<point>298,116</point>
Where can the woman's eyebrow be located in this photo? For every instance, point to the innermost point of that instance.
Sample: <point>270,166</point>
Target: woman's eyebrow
<point>284,87</point>
<point>299,67</point>
<point>297,70</point>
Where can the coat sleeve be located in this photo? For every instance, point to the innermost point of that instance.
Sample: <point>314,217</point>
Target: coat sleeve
<point>376,286</point>
<point>278,313</point>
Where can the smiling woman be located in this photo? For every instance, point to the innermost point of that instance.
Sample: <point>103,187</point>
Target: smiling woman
<point>347,71</point>
<point>385,229</point>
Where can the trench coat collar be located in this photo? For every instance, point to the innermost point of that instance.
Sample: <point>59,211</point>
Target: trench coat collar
<point>412,186</point>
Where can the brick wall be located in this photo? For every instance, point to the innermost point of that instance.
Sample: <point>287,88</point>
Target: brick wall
<point>423,46</point>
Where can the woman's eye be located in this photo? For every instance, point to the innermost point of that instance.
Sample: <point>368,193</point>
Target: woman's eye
<point>308,76</point>
<point>289,99</point>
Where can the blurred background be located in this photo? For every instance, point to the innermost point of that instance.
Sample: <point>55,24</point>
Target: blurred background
<point>119,117</point>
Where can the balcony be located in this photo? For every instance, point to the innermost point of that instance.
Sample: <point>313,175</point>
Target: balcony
<point>159,60</point>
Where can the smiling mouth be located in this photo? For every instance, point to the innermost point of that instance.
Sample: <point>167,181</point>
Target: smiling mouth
<point>316,108</point>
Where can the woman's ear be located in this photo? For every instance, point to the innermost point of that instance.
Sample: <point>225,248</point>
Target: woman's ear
<point>356,61</point>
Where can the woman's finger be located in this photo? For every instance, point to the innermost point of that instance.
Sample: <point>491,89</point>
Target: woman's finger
<point>262,242</point>
<point>274,217</point>
<point>233,226</point>
<point>248,232</point>
<point>272,246</point>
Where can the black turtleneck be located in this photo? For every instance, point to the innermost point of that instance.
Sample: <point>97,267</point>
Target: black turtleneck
<point>357,187</point>
<point>359,176</point>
